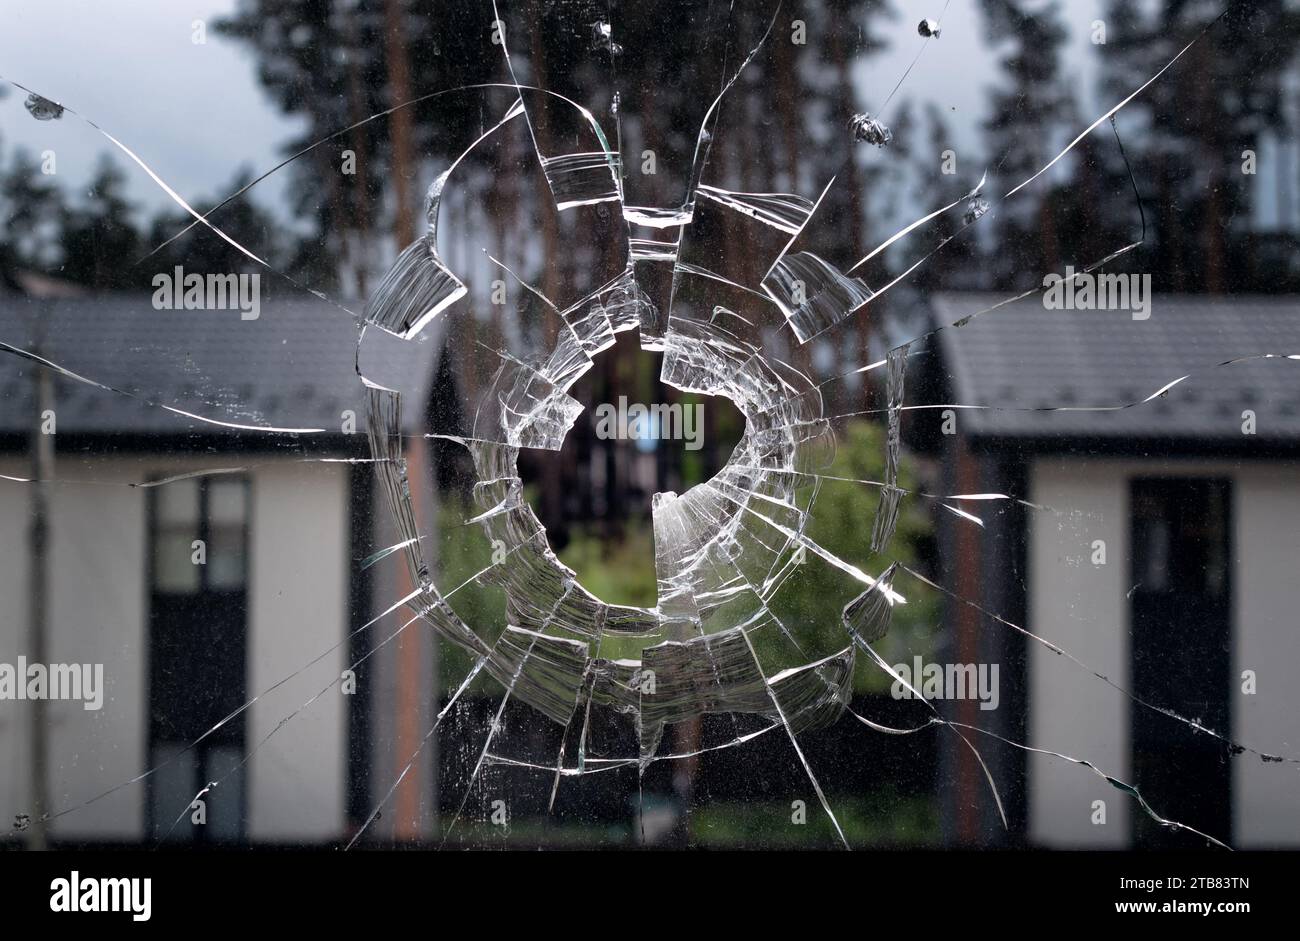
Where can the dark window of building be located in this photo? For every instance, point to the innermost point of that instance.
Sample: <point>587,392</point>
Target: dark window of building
<point>1181,626</point>
<point>198,537</point>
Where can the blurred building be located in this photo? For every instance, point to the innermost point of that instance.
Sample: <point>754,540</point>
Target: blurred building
<point>1160,551</point>
<point>267,608</point>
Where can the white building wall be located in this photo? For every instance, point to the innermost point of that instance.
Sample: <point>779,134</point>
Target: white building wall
<point>299,590</point>
<point>13,619</point>
<point>1083,608</point>
<point>1266,601</point>
<point>298,608</point>
<point>1080,607</point>
<point>97,614</point>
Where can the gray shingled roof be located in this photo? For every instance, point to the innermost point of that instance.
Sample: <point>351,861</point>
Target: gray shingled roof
<point>1026,356</point>
<point>292,367</point>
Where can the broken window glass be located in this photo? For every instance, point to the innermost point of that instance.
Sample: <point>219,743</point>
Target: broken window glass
<point>609,425</point>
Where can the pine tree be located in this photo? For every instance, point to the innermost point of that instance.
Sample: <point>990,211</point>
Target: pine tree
<point>1033,111</point>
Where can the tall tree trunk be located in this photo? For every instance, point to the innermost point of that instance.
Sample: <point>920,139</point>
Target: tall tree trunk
<point>399,88</point>
<point>358,196</point>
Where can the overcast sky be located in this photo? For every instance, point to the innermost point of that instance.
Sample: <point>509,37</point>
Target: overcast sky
<point>196,113</point>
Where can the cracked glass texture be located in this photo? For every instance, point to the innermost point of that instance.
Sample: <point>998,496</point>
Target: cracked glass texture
<point>763,212</point>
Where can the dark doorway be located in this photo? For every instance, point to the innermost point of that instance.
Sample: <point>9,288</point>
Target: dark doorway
<point>1181,629</point>
<point>198,535</point>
